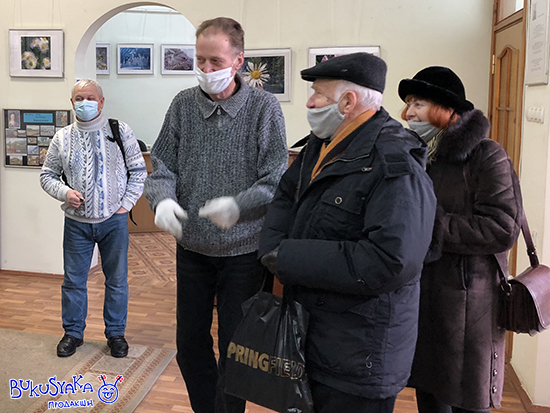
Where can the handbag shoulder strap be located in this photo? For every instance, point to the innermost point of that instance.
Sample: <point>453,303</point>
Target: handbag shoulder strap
<point>531,250</point>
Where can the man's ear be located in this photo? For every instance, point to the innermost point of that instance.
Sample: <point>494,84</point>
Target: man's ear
<point>348,102</point>
<point>239,62</point>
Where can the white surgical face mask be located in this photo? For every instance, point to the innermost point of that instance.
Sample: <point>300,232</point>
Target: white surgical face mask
<point>324,121</point>
<point>216,82</point>
<point>424,129</point>
<point>86,110</point>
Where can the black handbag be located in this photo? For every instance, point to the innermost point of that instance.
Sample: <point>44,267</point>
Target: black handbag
<point>265,358</point>
<point>525,299</point>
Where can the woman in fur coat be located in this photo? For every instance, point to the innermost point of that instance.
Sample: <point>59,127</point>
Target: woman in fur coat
<point>459,360</point>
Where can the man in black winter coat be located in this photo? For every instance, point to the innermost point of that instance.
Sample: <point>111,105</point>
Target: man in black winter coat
<point>347,234</point>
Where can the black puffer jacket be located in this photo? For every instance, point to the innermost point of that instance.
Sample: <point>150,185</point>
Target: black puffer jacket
<point>351,247</point>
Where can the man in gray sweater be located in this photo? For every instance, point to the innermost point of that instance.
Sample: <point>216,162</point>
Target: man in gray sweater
<point>216,163</point>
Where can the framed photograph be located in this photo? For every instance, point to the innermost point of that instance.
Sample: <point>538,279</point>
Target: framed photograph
<point>177,59</point>
<point>102,58</point>
<point>320,54</point>
<point>269,70</point>
<point>135,59</point>
<point>14,119</point>
<point>36,53</point>
<point>536,70</point>
<point>27,145</point>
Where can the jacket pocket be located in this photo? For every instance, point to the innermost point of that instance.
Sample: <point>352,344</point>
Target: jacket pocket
<point>338,215</point>
<point>347,344</point>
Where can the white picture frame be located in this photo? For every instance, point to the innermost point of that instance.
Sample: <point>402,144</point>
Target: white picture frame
<point>536,71</point>
<point>318,54</point>
<point>102,58</point>
<point>36,53</point>
<point>177,59</point>
<point>270,70</point>
<point>135,58</point>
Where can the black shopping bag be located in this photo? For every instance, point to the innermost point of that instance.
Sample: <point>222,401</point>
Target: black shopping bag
<point>265,359</point>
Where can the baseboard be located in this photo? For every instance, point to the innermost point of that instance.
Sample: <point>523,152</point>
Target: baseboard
<point>42,274</point>
<point>523,396</point>
<point>30,274</point>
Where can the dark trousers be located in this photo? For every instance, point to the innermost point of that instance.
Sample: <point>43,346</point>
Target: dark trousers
<point>329,400</point>
<point>232,280</point>
<point>427,403</point>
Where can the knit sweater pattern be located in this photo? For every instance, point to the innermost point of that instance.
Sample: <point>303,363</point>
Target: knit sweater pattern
<point>206,149</point>
<point>94,166</point>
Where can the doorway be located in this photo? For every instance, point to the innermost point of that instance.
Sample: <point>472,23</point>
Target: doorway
<point>506,92</point>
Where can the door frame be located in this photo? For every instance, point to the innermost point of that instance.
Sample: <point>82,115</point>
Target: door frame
<point>519,17</point>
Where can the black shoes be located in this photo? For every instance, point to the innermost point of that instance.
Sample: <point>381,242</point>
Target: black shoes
<point>119,346</point>
<point>67,346</point>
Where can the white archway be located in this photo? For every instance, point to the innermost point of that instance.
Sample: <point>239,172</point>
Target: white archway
<point>84,66</point>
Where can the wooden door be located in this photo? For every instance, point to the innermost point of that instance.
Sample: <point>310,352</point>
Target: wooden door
<point>506,93</point>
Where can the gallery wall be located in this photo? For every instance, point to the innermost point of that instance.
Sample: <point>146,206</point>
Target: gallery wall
<point>128,96</point>
<point>456,34</point>
<point>411,35</point>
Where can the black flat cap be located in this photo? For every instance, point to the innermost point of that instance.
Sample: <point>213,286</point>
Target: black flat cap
<point>438,84</point>
<point>364,69</point>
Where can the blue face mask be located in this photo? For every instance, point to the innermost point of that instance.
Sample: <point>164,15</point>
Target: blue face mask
<point>86,110</point>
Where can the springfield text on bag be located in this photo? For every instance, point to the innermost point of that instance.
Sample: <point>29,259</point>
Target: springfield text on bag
<point>269,364</point>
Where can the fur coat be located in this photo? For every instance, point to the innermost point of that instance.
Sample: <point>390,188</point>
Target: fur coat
<point>460,349</point>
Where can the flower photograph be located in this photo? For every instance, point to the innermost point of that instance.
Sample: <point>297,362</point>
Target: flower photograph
<point>267,73</point>
<point>35,53</point>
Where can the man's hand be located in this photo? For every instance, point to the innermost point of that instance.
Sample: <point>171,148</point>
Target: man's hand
<point>75,199</point>
<point>223,211</point>
<point>168,216</point>
<point>121,210</point>
<point>269,260</point>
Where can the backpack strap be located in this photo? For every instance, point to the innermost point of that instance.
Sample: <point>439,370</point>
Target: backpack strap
<point>115,129</point>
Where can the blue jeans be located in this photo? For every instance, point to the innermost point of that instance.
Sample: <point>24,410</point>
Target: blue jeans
<point>79,240</point>
<point>232,280</point>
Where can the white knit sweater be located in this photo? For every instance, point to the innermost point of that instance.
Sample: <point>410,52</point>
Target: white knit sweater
<point>94,166</point>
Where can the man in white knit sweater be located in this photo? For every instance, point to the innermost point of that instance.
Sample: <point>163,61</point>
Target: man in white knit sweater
<point>100,185</point>
<point>216,163</point>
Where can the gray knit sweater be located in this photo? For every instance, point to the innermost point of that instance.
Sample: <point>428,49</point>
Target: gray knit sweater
<point>206,149</point>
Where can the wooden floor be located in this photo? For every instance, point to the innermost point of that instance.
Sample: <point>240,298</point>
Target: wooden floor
<point>32,303</point>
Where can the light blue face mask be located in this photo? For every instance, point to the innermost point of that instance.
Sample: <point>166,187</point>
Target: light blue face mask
<point>86,110</point>
<point>424,129</point>
<point>324,121</point>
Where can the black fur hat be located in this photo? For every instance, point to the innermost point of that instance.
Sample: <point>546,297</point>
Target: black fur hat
<point>438,84</point>
<point>364,69</point>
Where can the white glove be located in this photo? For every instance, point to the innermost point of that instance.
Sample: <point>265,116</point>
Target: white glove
<point>168,216</point>
<point>223,211</point>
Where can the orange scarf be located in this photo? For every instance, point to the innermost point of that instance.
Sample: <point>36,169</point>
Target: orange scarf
<point>325,150</point>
